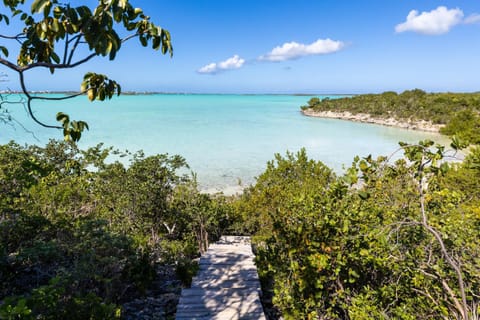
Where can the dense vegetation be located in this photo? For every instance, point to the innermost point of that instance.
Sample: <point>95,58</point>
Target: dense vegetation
<point>459,112</point>
<point>79,236</point>
<point>384,241</point>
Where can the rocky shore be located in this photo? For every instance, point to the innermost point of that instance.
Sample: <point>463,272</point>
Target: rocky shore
<point>421,125</point>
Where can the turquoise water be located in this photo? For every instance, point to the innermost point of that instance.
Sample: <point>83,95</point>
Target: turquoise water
<point>226,139</point>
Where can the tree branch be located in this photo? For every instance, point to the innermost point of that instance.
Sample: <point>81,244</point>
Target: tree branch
<point>130,37</point>
<point>18,36</point>
<point>463,308</point>
<point>74,38</point>
<point>65,50</point>
<point>57,98</point>
<point>77,41</point>
<point>64,65</point>
<point>29,101</point>
<point>30,112</point>
<point>9,121</point>
<point>10,65</point>
<point>57,66</point>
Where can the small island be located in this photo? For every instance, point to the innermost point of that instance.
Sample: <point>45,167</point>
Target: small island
<point>447,113</point>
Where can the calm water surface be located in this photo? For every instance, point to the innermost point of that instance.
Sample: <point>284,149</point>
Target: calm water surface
<point>226,139</point>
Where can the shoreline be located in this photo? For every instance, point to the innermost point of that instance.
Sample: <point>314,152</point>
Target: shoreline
<point>229,191</point>
<point>146,93</point>
<point>421,125</point>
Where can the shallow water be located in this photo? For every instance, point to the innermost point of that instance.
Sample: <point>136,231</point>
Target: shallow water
<point>226,139</point>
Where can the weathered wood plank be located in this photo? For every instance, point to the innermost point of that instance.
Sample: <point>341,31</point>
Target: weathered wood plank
<point>227,285</point>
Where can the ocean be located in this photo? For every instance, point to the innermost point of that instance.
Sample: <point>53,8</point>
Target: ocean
<point>226,139</point>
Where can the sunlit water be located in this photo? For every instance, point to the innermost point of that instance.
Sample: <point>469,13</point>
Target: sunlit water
<point>226,139</point>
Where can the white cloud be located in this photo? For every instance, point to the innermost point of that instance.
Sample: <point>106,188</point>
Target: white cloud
<point>209,68</point>
<point>435,22</point>
<point>234,62</point>
<point>294,50</point>
<point>473,18</point>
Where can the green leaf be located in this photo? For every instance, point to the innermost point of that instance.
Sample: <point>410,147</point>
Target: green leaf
<point>143,41</point>
<point>363,195</point>
<point>91,94</point>
<point>4,17</point>
<point>117,13</point>
<point>131,26</point>
<point>55,57</point>
<point>62,117</point>
<point>83,125</point>
<point>57,12</point>
<point>47,9</point>
<point>457,143</point>
<point>55,25</point>
<point>101,94</point>
<point>112,54</point>
<point>156,43</point>
<point>363,165</point>
<point>39,5</point>
<point>4,51</point>
<point>108,47</point>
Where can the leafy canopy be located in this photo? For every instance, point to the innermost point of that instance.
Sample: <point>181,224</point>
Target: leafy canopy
<point>53,34</point>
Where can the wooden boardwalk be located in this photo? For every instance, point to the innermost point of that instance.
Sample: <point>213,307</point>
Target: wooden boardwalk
<point>227,285</point>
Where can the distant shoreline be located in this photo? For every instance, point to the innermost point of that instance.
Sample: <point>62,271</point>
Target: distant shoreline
<point>126,93</point>
<point>419,125</point>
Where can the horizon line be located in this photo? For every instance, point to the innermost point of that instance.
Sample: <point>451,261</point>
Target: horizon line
<point>180,93</point>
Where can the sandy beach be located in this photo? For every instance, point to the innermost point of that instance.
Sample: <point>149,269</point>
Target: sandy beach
<point>366,118</point>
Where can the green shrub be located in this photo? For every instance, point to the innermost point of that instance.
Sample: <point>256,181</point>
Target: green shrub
<point>465,125</point>
<point>335,248</point>
<point>79,236</point>
<point>56,301</point>
<point>186,269</point>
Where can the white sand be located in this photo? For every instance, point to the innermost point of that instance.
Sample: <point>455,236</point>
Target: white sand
<point>421,125</point>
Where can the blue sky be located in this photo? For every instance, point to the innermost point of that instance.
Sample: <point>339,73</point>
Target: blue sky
<point>302,46</point>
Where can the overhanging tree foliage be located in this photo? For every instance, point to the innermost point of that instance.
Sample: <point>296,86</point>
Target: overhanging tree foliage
<point>53,34</point>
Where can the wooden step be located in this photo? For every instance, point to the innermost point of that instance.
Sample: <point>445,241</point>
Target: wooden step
<point>226,286</point>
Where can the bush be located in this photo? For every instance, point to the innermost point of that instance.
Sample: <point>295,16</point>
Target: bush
<point>339,247</point>
<point>79,235</point>
<point>465,125</point>
<point>55,301</point>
